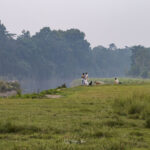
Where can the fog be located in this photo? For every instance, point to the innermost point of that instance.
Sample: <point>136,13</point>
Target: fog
<point>124,22</point>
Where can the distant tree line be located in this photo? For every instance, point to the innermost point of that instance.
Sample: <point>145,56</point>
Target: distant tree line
<point>140,62</point>
<point>65,54</point>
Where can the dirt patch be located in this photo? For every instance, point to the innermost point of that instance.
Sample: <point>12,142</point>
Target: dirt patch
<point>53,96</point>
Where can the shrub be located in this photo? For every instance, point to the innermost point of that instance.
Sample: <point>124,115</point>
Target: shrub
<point>3,86</point>
<point>19,92</point>
<point>62,86</point>
<point>9,86</point>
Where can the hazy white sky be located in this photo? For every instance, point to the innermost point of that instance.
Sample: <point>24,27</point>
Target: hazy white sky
<point>124,22</point>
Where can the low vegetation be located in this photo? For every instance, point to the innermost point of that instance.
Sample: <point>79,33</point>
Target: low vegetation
<point>42,94</point>
<point>107,117</point>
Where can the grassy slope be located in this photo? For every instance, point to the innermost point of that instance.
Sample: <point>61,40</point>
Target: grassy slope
<point>105,117</point>
<point>136,81</point>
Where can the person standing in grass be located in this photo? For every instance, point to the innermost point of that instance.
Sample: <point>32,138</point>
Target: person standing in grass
<point>86,76</point>
<point>86,79</point>
<point>83,79</point>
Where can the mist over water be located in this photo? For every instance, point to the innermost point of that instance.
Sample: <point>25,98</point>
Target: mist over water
<point>31,85</point>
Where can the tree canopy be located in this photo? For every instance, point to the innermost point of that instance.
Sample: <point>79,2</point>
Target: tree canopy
<point>140,66</point>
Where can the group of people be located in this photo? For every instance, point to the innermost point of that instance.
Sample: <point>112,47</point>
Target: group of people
<point>84,78</point>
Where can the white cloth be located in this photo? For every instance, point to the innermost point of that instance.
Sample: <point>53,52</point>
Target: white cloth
<point>86,82</point>
<point>86,79</point>
<point>117,81</point>
<point>86,76</point>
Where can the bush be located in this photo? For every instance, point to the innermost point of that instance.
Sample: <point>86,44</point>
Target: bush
<point>3,86</point>
<point>9,86</point>
<point>62,86</point>
<point>19,92</point>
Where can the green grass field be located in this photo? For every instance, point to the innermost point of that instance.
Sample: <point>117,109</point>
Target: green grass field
<point>108,117</point>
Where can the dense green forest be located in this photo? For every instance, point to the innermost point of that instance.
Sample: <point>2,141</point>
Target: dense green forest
<point>51,57</point>
<point>140,66</point>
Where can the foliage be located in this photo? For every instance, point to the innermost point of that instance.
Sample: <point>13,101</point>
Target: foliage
<point>6,86</point>
<point>140,66</point>
<point>111,63</point>
<point>62,86</point>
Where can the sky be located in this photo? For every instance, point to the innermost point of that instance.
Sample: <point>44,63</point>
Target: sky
<point>123,22</point>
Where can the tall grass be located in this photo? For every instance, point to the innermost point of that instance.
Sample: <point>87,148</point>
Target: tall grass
<point>85,118</point>
<point>9,127</point>
<point>136,106</point>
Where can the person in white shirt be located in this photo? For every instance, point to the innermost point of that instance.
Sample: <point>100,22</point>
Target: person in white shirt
<point>86,79</point>
<point>117,81</point>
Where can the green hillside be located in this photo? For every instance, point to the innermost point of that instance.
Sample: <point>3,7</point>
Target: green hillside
<point>107,117</point>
